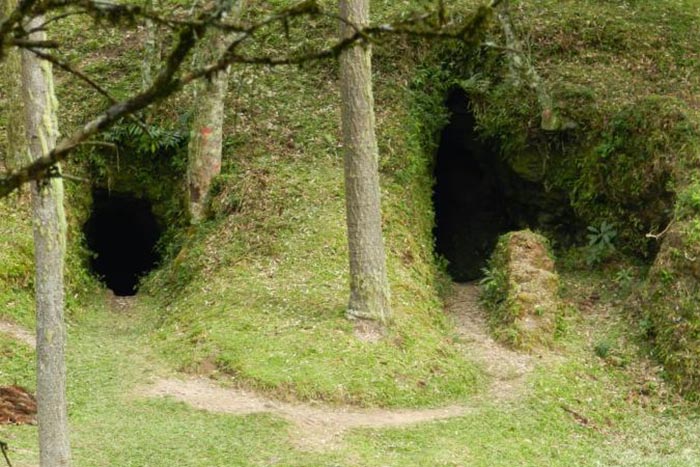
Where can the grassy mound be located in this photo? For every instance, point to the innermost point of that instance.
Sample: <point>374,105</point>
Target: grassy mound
<point>521,290</point>
<point>258,291</point>
<point>671,293</point>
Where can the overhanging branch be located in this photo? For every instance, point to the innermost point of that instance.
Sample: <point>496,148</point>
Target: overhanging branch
<point>163,86</point>
<point>167,82</point>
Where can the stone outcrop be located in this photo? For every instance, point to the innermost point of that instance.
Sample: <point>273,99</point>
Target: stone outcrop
<point>521,290</point>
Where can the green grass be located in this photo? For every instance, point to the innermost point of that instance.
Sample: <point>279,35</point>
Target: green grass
<point>631,418</point>
<point>260,289</point>
<point>16,260</point>
<point>18,363</point>
<point>271,313</point>
<point>112,426</point>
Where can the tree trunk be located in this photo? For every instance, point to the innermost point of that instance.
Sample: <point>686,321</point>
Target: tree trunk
<point>206,137</point>
<point>520,65</point>
<point>49,250</point>
<point>17,155</point>
<point>369,286</point>
<point>151,49</point>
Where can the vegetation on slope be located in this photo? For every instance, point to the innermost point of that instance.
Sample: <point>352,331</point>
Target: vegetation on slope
<point>268,282</point>
<point>623,413</point>
<point>260,289</point>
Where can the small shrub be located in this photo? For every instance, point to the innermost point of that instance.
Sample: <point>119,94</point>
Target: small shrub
<point>603,348</point>
<point>600,243</point>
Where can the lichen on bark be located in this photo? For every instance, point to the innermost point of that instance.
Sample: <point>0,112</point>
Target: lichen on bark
<point>369,285</point>
<point>49,246</point>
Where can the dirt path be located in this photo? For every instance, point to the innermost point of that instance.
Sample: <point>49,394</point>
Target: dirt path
<point>21,334</point>
<point>120,304</point>
<point>18,333</point>
<point>319,427</point>
<point>315,427</point>
<point>507,369</point>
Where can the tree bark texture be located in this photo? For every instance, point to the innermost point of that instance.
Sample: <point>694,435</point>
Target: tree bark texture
<point>206,137</point>
<point>369,286</point>
<point>49,250</point>
<point>520,66</point>
<point>151,49</point>
<point>17,154</point>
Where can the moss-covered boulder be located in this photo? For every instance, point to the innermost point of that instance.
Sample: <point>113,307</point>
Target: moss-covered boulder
<point>629,177</point>
<point>521,290</point>
<point>672,306</point>
<point>671,297</point>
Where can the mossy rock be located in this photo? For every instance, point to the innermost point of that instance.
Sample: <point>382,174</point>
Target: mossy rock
<point>670,298</point>
<point>671,305</point>
<point>521,290</point>
<point>630,177</point>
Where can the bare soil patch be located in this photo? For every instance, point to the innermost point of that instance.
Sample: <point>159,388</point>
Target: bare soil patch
<point>314,427</point>
<point>120,304</point>
<point>18,333</point>
<point>507,368</point>
<point>369,331</point>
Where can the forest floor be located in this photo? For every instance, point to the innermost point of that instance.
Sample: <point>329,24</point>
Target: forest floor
<point>593,400</point>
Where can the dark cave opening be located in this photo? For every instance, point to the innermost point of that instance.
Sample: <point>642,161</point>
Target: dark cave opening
<point>122,233</point>
<point>478,197</point>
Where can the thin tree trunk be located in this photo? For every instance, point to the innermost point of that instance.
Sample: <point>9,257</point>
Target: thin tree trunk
<point>206,141</point>
<point>49,250</point>
<point>151,50</point>
<point>520,65</point>
<point>369,286</point>
<point>17,154</point>
<point>206,137</point>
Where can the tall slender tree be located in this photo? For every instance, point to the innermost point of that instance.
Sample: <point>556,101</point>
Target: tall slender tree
<point>151,50</point>
<point>31,132</point>
<point>49,250</point>
<point>206,136</point>
<point>369,286</point>
<point>11,69</point>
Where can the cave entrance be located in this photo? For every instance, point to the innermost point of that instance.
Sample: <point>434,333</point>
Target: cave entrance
<point>122,233</point>
<point>473,206</point>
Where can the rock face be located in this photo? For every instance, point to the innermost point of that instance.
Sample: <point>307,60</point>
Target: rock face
<point>17,406</point>
<point>521,290</point>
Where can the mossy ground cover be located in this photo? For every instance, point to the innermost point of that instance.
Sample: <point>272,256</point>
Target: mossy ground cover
<point>17,260</point>
<point>276,319</point>
<point>260,289</point>
<point>581,407</point>
<point>521,290</point>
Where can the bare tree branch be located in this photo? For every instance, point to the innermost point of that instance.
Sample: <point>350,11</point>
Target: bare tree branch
<point>12,21</point>
<point>163,86</point>
<point>167,82</point>
<point>26,43</point>
<point>65,66</point>
<point>42,26</point>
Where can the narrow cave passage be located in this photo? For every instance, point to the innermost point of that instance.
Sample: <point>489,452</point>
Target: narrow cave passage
<point>122,233</point>
<point>471,199</point>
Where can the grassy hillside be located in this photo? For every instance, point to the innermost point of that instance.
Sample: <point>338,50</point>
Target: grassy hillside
<point>272,263</point>
<point>260,291</point>
<point>268,271</point>
<point>254,297</point>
